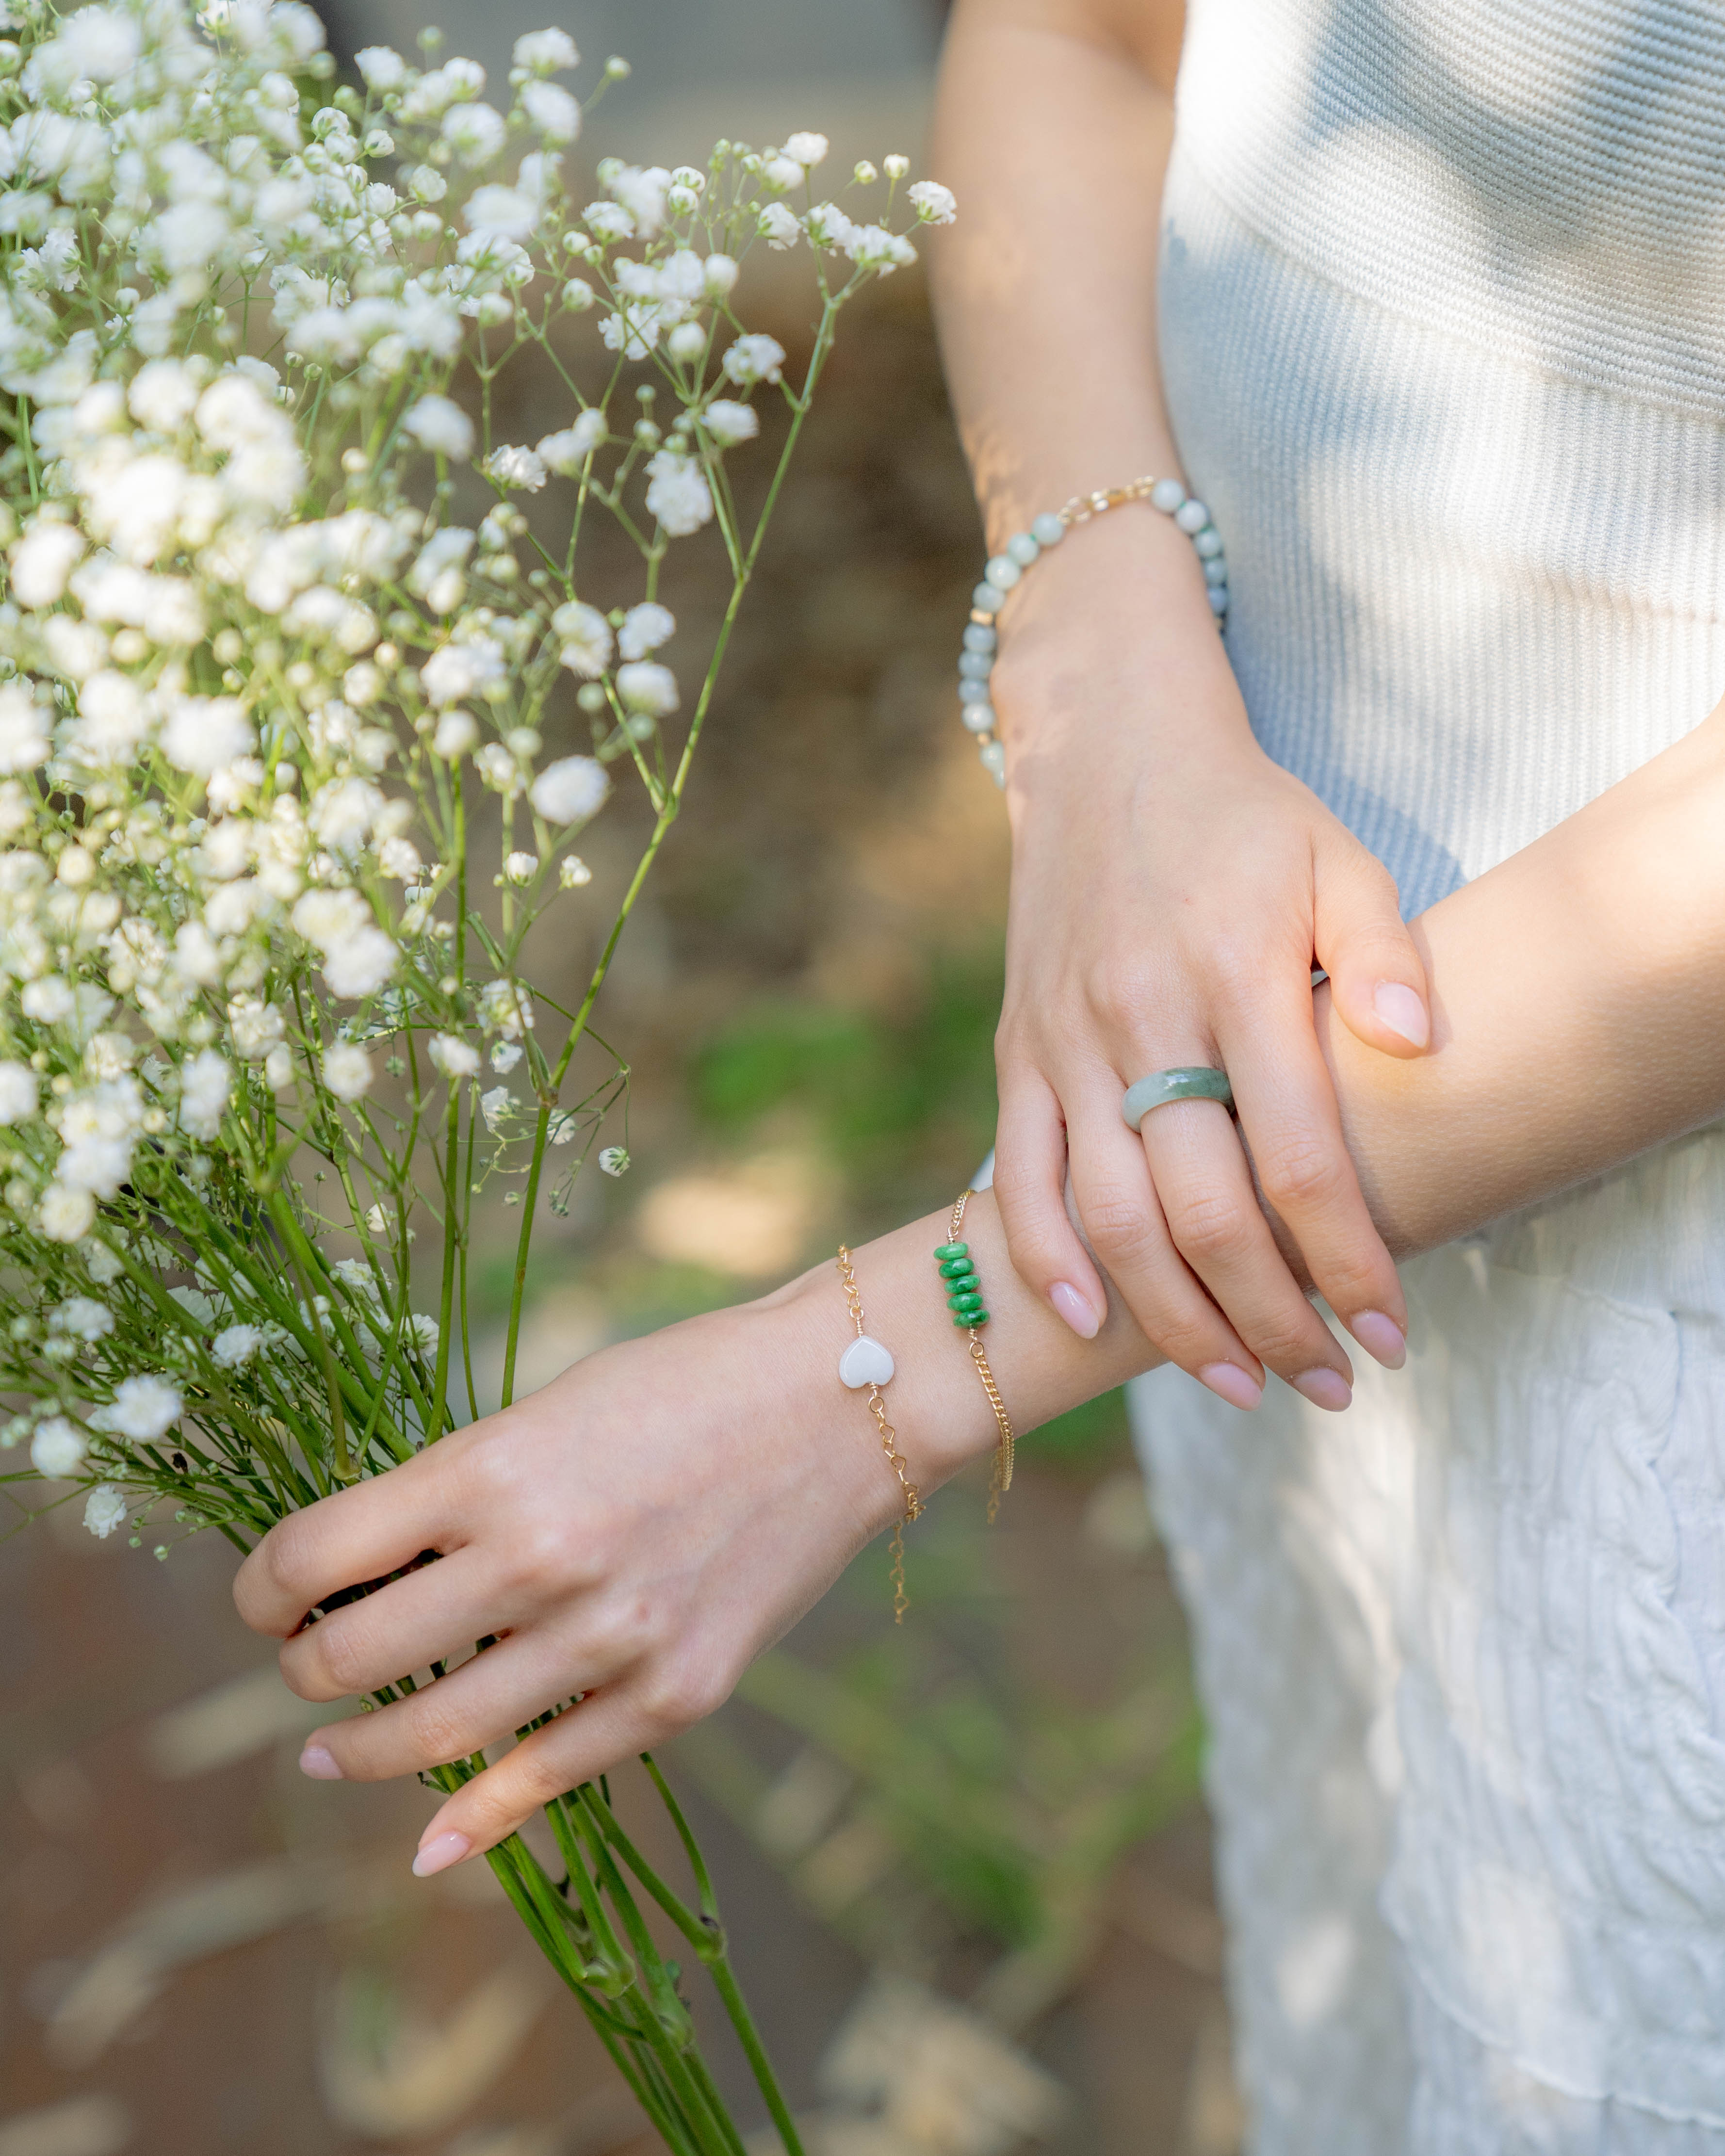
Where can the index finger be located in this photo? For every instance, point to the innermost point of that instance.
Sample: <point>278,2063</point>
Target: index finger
<point>1292,1126</point>
<point>349,1539</point>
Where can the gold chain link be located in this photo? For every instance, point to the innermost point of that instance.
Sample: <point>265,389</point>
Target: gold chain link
<point>1000,1480</point>
<point>888,1444</point>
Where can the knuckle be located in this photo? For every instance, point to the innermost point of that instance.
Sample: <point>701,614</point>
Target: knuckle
<point>1122,994</point>
<point>625,1630</point>
<point>1211,1227</point>
<point>679,1692</point>
<point>331,1666</point>
<point>1119,1227</point>
<point>286,1556</point>
<point>1301,1172</point>
<point>434,1727</point>
<point>539,1556</point>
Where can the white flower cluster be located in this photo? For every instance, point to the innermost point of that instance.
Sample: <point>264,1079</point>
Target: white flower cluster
<point>261,681</point>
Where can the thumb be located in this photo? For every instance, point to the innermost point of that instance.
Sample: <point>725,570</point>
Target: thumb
<point>1376,976</point>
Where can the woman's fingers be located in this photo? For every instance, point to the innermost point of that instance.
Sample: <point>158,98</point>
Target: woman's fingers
<point>1119,1206</point>
<point>1029,1188</point>
<point>1376,975</point>
<point>429,1616</point>
<point>1288,1113</point>
<point>584,1742</point>
<point>1219,1228</point>
<point>360,1534</point>
<point>489,1698</point>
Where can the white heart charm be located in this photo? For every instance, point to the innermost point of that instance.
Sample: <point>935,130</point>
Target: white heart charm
<point>866,1362</point>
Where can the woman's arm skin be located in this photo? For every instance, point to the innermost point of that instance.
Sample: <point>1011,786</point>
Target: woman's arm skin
<point>1170,884</point>
<point>641,1528</point>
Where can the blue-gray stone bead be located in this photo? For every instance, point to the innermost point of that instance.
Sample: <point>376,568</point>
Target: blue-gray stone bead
<point>1022,549</point>
<point>1208,542</point>
<point>977,664</point>
<point>1215,570</point>
<point>1218,599</point>
<point>1047,530</point>
<point>1191,517</point>
<point>978,637</point>
<point>988,598</point>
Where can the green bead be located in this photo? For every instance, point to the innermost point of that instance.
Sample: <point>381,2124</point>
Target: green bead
<point>971,1324</point>
<point>951,1249</point>
<point>960,1281</point>
<point>950,1267</point>
<point>957,1303</point>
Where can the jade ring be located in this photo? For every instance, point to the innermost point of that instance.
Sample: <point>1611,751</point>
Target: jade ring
<point>1161,1086</point>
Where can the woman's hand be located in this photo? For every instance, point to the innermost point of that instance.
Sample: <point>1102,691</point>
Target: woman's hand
<point>1171,889</point>
<point>638,1531</point>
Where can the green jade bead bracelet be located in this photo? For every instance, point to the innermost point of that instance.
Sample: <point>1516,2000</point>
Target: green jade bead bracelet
<point>964,1289</point>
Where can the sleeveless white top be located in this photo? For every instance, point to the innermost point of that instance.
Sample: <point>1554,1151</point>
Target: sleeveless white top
<point>1443,331</point>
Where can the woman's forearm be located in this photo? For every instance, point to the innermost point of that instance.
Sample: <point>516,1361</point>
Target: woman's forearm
<point>1051,128</point>
<point>1580,1004</point>
<point>1578,1010</point>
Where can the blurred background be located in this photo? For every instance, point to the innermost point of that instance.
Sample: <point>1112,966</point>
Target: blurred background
<point>965,1862</point>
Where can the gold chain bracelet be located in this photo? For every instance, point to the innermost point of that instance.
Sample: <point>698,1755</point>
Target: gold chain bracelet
<point>964,1299</point>
<point>867,1362</point>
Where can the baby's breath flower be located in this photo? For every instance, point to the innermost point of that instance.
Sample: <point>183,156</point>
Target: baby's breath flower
<point>573,789</point>
<point>677,495</point>
<point>56,1449</point>
<point>104,1510</point>
<point>455,1057</point>
<point>516,467</point>
<point>585,637</point>
<point>573,873</point>
<point>348,1070</point>
<point>520,868</point>
<point>644,629</point>
<point>647,687</point>
<point>551,112</point>
<point>754,358</point>
<point>236,1345</point>
<point>546,52</point>
<point>613,1160</point>
<point>439,424</point>
<point>143,1409</point>
<point>935,204</point>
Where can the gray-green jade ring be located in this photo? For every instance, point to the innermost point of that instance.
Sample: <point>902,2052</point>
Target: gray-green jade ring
<point>1161,1086</point>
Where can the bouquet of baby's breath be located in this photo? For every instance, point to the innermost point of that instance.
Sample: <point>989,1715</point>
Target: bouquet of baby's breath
<point>262,690</point>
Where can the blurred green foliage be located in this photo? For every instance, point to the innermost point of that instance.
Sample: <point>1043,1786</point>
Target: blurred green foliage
<point>902,1102</point>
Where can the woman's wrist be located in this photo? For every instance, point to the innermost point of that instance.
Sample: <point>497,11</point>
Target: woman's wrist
<point>936,1404</point>
<point>1110,628</point>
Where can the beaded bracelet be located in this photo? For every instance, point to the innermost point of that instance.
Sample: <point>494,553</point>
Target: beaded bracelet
<point>867,1362</point>
<point>976,661</point>
<point>964,1299</point>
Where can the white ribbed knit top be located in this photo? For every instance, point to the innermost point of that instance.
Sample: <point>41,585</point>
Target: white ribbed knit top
<point>1443,329</point>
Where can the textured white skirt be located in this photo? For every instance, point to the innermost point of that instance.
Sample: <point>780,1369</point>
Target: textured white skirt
<point>1462,1651</point>
<point>1441,333</point>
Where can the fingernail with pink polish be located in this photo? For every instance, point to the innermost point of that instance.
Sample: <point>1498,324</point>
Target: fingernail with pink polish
<point>1382,1338</point>
<point>1230,1382</point>
<point>439,1853</point>
<point>319,1762</point>
<point>1324,1389</point>
<point>1403,1012</point>
<point>1075,1309</point>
